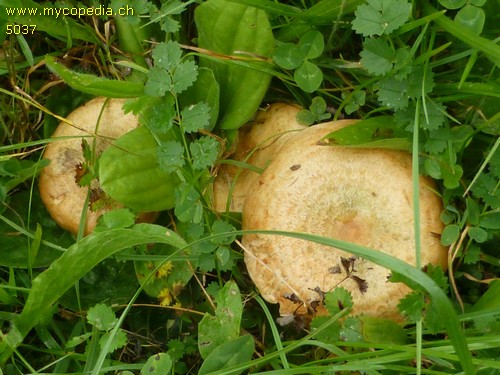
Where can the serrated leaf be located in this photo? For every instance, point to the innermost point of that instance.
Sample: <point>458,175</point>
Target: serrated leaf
<point>205,89</point>
<point>393,93</point>
<point>195,117</point>
<point>102,317</point>
<point>312,44</point>
<point>412,306</point>
<point>377,56</point>
<point>118,341</point>
<point>158,364</point>
<point>420,82</point>
<point>167,55</point>
<point>204,151</point>
<point>159,114</point>
<point>169,25</point>
<point>184,75</point>
<point>379,17</point>
<point>472,255</point>
<point>337,300</point>
<point>170,156</point>
<point>159,82</point>
<point>451,175</point>
<point>308,77</point>
<point>289,56</point>
<point>486,188</point>
<point>219,227</point>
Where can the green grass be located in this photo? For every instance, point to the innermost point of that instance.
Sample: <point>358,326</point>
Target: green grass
<point>74,305</point>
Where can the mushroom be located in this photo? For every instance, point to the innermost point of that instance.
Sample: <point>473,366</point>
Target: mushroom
<point>258,143</point>
<point>101,121</point>
<point>362,196</point>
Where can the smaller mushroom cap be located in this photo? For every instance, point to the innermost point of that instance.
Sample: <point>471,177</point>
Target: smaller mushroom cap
<point>101,120</point>
<point>258,144</point>
<point>362,196</point>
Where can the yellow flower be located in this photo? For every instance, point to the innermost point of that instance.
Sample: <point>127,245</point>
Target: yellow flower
<point>164,270</point>
<point>165,297</point>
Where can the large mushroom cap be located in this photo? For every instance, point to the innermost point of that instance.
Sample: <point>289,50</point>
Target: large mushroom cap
<point>101,121</point>
<point>362,196</point>
<point>258,143</point>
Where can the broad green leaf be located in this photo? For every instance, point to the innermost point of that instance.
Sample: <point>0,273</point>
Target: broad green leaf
<point>383,331</point>
<point>489,300</point>
<point>158,364</point>
<point>230,29</point>
<point>80,258</point>
<point>376,132</point>
<point>472,18</point>
<point>308,77</point>
<point>215,330</point>
<point>230,353</point>
<point>91,84</point>
<point>129,173</point>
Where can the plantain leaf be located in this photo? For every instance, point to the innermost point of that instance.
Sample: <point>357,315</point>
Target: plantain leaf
<point>79,259</point>
<point>130,174</point>
<point>376,132</point>
<point>93,85</point>
<point>233,29</point>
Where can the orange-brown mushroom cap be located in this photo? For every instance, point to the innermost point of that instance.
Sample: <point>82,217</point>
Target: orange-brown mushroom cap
<point>362,196</point>
<point>258,144</point>
<point>101,121</point>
